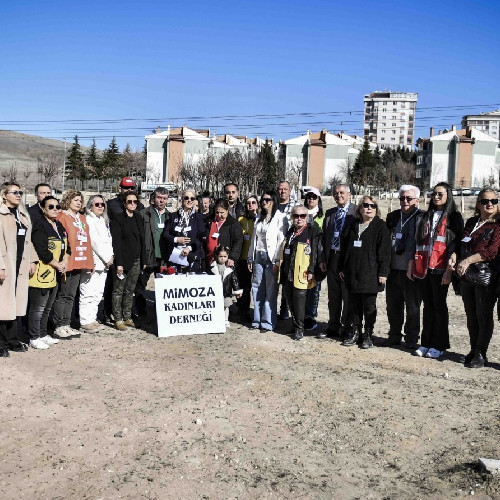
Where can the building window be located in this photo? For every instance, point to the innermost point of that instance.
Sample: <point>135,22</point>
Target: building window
<point>394,117</point>
<point>383,117</point>
<point>383,131</point>
<point>384,109</point>
<point>394,125</point>
<point>382,139</point>
<point>394,103</point>
<point>384,103</point>
<point>393,138</point>
<point>393,131</point>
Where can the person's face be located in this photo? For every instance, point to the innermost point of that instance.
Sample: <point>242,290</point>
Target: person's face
<point>368,209</point>
<point>341,196</point>
<point>160,201</point>
<point>408,201</point>
<point>76,204</point>
<point>252,206</point>
<point>267,203</point>
<point>188,200</point>
<point>97,207</point>
<point>299,218</point>
<point>206,204</point>
<point>439,196</point>
<point>131,203</point>
<point>51,209</point>
<point>486,206</point>
<point>312,200</point>
<point>284,192</point>
<point>13,196</point>
<point>231,194</point>
<point>43,192</point>
<point>222,258</point>
<point>220,214</point>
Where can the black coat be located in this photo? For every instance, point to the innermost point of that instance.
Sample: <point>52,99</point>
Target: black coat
<point>114,206</point>
<point>362,266</point>
<point>123,238</point>
<point>231,236</point>
<point>230,284</point>
<point>148,214</point>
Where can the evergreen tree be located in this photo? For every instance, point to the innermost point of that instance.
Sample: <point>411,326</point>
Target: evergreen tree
<point>75,165</point>
<point>364,168</point>
<point>111,160</point>
<point>270,177</point>
<point>93,163</point>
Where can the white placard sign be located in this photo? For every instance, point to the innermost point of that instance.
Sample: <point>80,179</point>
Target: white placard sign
<point>189,305</point>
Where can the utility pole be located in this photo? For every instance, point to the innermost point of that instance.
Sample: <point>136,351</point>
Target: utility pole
<point>64,165</point>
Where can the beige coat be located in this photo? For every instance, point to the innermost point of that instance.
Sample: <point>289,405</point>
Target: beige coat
<point>14,300</point>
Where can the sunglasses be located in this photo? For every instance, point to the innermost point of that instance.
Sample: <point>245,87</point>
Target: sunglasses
<point>266,200</point>
<point>189,198</point>
<point>438,195</point>
<point>99,204</point>
<point>312,196</point>
<point>407,198</point>
<point>299,216</point>
<point>131,202</point>
<point>51,207</point>
<point>369,205</point>
<point>485,201</point>
<point>16,193</point>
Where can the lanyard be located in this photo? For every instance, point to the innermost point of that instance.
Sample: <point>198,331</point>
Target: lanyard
<point>296,235</point>
<point>407,220</point>
<point>158,213</point>
<point>478,225</point>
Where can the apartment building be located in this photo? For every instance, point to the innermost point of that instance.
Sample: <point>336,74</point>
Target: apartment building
<point>390,118</point>
<point>488,122</point>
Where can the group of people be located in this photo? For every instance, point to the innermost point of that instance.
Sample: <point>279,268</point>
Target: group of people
<point>62,260</point>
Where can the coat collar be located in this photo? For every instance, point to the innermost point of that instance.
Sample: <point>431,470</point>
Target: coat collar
<point>215,269</point>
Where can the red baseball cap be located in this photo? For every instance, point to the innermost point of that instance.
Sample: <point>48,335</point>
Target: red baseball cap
<point>127,182</point>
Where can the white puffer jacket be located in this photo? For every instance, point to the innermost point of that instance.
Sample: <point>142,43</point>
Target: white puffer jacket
<point>102,244</point>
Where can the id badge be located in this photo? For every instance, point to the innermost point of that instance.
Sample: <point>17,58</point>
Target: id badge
<point>466,239</point>
<point>399,236</point>
<point>287,251</point>
<point>161,225</point>
<point>187,229</point>
<point>21,231</point>
<point>215,236</point>
<point>178,229</point>
<point>62,246</point>
<point>358,243</point>
<point>246,236</point>
<point>82,239</point>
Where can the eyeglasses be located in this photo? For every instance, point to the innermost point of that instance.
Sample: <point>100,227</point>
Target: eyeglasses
<point>131,202</point>
<point>189,198</point>
<point>51,207</point>
<point>299,216</point>
<point>369,205</point>
<point>98,204</point>
<point>485,201</point>
<point>16,193</point>
<point>407,198</point>
<point>312,196</point>
<point>252,202</point>
<point>266,200</point>
<point>436,194</point>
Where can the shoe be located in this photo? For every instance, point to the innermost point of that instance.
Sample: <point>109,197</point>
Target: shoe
<point>228,324</point>
<point>367,338</point>
<point>353,337</point>
<point>298,335</point>
<point>19,348</point>
<point>420,352</point>
<point>50,340</point>
<point>391,342</point>
<point>130,323</point>
<point>120,325</point>
<point>64,332</point>
<point>322,335</point>
<point>4,353</point>
<point>332,332</point>
<point>92,327</point>
<point>434,353</point>
<point>477,360</point>
<point>412,346</point>
<point>284,316</point>
<point>38,344</point>
<point>310,324</point>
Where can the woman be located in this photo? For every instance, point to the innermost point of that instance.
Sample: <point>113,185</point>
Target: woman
<point>185,232</point>
<point>127,233</point>
<point>81,258</point>
<point>92,283</point>
<point>299,254</point>
<point>247,221</point>
<point>480,243</point>
<point>224,230</point>
<point>51,244</point>
<point>364,266</point>
<point>16,265</point>
<point>314,206</point>
<point>263,260</point>
<point>437,236</point>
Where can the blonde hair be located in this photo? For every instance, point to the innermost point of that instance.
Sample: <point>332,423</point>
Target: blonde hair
<point>360,205</point>
<point>68,196</point>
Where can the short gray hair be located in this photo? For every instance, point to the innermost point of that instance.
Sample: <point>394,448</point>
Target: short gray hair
<point>409,187</point>
<point>341,184</point>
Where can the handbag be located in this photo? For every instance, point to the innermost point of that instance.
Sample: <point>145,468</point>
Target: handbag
<point>479,273</point>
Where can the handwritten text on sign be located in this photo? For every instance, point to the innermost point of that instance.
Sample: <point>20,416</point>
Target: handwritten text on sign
<point>189,305</point>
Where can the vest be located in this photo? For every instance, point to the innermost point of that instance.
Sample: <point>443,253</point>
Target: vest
<point>45,275</point>
<point>438,258</point>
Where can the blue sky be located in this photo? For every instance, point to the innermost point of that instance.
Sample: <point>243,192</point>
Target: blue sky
<point>168,62</point>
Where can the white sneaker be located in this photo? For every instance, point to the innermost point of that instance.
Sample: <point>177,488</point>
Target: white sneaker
<point>421,352</point>
<point>50,340</point>
<point>434,353</point>
<point>63,332</point>
<point>228,324</point>
<point>38,344</point>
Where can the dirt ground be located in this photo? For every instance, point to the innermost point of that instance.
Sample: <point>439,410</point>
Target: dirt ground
<point>247,415</point>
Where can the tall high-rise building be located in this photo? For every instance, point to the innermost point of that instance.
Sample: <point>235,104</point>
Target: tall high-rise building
<point>390,118</point>
<point>488,122</point>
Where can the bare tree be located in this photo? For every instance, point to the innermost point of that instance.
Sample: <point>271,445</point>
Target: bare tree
<point>48,166</point>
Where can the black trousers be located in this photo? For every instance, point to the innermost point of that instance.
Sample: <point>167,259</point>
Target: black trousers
<point>140,287</point>
<point>8,334</point>
<point>245,282</point>
<point>338,297</point>
<point>363,305</point>
<point>296,299</point>
<point>403,293</point>
<point>479,302</point>
<point>435,333</point>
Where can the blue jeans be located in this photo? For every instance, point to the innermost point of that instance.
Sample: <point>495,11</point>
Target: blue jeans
<point>264,292</point>
<point>312,301</point>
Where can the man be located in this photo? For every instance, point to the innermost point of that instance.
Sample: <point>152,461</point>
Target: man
<point>114,206</point>
<point>402,291</point>
<point>231,193</point>
<point>35,211</point>
<point>337,221</point>
<point>155,217</point>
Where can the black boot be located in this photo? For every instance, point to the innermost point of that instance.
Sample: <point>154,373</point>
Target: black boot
<point>468,358</point>
<point>4,353</point>
<point>299,335</point>
<point>353,336</point>
<point>367,338</point>
<point>478,360</point>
